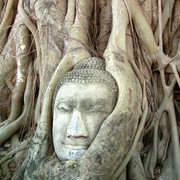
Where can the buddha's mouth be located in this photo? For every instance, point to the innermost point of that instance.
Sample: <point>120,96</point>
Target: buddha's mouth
<point>75,146</point>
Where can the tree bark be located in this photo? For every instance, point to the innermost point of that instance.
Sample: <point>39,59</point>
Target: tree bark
<point>42,40</point>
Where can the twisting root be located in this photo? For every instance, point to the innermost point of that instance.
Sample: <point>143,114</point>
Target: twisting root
<point>143,29</point>
<point>7,69</point>
<point>20,173</point>
<point>115,51</point>
<point>70,16</point>
<point>173,66</point>
<point>22,146</point>
<point>151,159</point>
<point>7,58</point>
<point>105,25</point>
<point>1,6</point>
<point>137,136</point>
<point>167,11</point>
<point>22,59</point>
<point>168,97</point>
<point>175,137</point>
<point>27,21</point>
<point>6,22</point>
<point>119,28</point>
<point>164,141</point>
<point>13,127</point>
<point>153,154</point>
<point>5,168</point>
<point>169,107</point>
<point>146,7</point>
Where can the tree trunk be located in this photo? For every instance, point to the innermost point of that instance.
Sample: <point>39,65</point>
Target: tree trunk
<point>42,40</point>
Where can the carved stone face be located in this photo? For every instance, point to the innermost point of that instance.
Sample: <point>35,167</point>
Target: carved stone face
<point>79,111</point>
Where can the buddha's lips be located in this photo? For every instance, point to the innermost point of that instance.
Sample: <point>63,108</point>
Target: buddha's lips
<point>75,146</point>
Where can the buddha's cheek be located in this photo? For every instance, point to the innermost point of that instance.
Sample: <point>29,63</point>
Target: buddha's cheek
<point>59,129</point>
<point>94,123</point>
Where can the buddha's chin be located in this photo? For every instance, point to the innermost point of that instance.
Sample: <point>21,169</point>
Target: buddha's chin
<point>75,154</point>
<point>74,151</point>
<point>69,154</point>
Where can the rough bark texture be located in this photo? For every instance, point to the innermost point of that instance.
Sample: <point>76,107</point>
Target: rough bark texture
<point>42,40</point>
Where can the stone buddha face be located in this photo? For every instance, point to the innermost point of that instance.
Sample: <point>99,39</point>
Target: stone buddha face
<point>79,110</point>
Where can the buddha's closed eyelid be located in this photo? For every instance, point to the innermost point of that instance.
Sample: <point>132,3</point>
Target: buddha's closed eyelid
<point>101,108</point>
<point>63,107</point>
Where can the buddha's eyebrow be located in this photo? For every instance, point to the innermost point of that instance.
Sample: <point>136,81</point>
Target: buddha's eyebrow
<point>101,101</point>
<point>97,101</point>
<point>68,101</point>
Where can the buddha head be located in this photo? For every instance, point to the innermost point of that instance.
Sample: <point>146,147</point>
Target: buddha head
<point>83,99</point>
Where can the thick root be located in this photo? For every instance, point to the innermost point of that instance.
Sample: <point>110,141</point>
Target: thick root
<point>105,26</point>
<point>13,127</point>
<point>24,145</point>
<point>167,11</point>
<point>143,29</point>
<point>6,22</point>
<point>22,59</point>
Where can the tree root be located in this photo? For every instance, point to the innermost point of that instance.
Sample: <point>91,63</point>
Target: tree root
<point>70,16</point>
<point>22,49</point>
<point>27,21</point>
<point>6,22</point>
<point>119,28</point>
<point>15,140</point>
<point>175,137</point>
<point>167,11</point>
<point>77,47</point>
<point>7,60</point>
<point>143,29</point>
<point>5,168</point>
<point>170,106</point>
<point>153,154</point>
<point>20,173</point>
<point>167,171</point>
<point>176,74</point>
<point>164,140</point>
<point>146,6</point>
<point>154,123</point>
<point>13,127</point>
<point>135,167</point>
<point>118,34</point>
<point>1,7</point>
<point>105,26</point>
<point>22,146</point>
<point>7,70</point>
<point>136,139</point>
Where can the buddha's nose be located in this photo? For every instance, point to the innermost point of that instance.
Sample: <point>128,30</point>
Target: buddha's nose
<point>76,127</point>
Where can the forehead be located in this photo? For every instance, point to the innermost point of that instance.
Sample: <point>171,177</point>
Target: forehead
<point>85,91</point>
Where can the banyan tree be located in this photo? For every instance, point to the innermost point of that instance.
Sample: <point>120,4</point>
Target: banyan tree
<point>135,46</point>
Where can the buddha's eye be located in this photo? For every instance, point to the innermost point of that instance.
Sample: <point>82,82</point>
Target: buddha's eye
<point>63,108</point>
<point>98,109</point>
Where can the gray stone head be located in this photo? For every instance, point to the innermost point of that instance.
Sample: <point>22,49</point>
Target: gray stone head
<point>83,99</point>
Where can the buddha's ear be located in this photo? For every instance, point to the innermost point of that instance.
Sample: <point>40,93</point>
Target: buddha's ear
<point>116,134</point>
